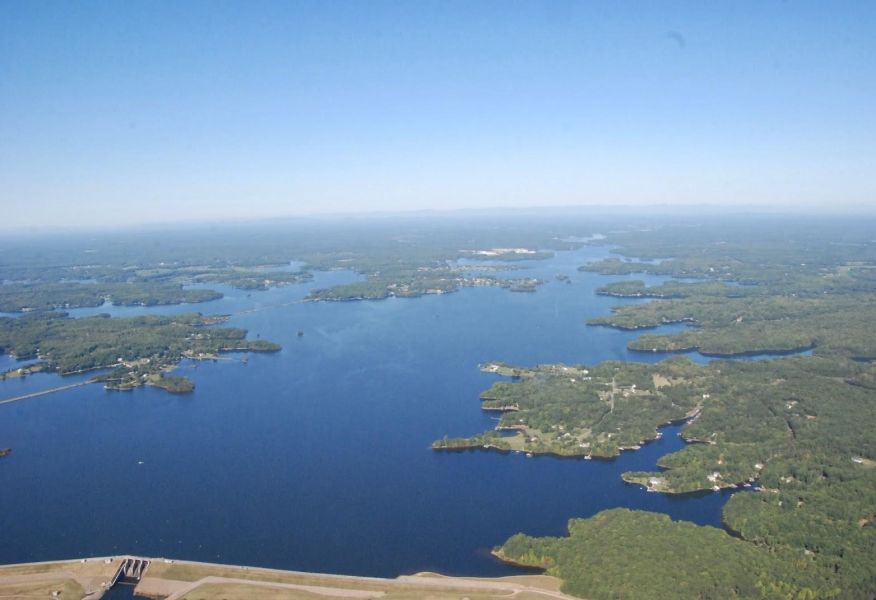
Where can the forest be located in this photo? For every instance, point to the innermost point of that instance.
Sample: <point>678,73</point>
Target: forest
<point>137,349</point>
<point>638,555</point>
<point>27,297</point>
<point>418,282</point>
<point>585,411</point>
<point>799,430</point>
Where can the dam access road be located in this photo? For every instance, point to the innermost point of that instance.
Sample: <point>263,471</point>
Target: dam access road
<point>186,580</point>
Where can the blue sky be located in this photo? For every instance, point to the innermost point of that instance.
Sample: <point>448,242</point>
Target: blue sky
<point>125,112</point>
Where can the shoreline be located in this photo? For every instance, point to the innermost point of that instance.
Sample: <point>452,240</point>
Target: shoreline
<point>688,417</point>
<point>500,556</point>
<point>727,355</point>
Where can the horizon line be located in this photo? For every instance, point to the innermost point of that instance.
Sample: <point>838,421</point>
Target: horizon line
<point>668,209</point>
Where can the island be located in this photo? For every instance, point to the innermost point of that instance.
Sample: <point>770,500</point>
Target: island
<point>424,281</point>
<point>132,351</point>
<point>28,297</point>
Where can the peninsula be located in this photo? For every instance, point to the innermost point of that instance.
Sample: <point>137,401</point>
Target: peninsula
<point>585,411</point>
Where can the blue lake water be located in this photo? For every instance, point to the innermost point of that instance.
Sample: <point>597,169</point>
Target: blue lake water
<point>318,457</point>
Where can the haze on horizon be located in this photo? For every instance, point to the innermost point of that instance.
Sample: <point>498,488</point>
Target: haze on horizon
<point>121,113</point>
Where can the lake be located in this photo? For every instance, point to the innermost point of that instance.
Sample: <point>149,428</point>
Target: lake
<point>318,458</point>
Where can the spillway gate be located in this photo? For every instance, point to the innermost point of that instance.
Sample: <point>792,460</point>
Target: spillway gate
<point>130,571</point>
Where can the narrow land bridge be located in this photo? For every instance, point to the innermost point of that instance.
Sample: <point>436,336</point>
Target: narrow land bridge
<point>48,391</point>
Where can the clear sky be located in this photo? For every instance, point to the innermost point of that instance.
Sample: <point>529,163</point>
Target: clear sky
<point>122,112</point>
